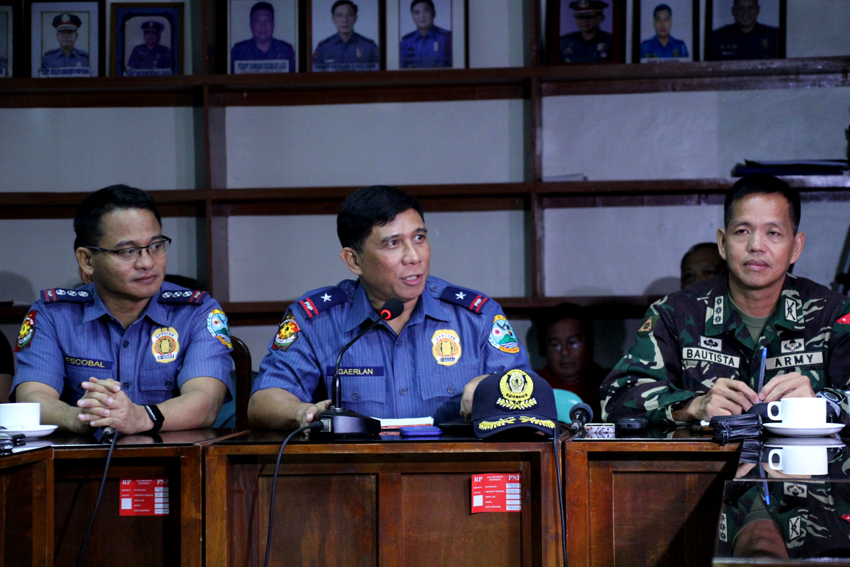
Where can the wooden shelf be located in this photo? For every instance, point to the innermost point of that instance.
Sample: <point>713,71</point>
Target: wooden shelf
<point>101,92</point>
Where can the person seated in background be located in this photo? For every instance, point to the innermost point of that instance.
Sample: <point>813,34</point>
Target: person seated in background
<point>7,369</point>
<point>700,263</point>
<point>425,362</point>
<point>565,338</point>
<point>127,351</point>
<point>698,352</point>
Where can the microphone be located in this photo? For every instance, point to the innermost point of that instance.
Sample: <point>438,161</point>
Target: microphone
<point>580,414</point>
<point>339,421</point>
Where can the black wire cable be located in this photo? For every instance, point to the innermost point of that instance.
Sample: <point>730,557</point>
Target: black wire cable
<point>315,426</point>
<point>560,496</point>
<point>115,436</point>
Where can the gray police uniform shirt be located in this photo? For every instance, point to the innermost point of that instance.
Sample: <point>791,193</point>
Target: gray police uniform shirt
<point>454,335</point>
<point>357,53</point>
<point>69,336</point>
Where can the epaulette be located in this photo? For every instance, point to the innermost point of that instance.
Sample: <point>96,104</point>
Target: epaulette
<point>324,41</point>
<point>469,299</point>
<point>321,301</point>
<point>66,295</point>
<point>190,296</point>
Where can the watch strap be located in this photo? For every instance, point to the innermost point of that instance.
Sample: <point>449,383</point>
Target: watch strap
<point>156,416</point>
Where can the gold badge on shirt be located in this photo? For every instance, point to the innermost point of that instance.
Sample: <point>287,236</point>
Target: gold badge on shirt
<point>165,344</point>
<point>446,348</point>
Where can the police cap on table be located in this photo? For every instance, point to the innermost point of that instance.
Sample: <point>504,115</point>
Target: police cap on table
<point>67,22</point>
<point>153,26</point>
<point>587,7</point>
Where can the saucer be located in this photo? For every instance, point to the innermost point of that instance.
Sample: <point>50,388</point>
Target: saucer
<point>804,430</point>
<point>804,442</point>
<point>30,430</point>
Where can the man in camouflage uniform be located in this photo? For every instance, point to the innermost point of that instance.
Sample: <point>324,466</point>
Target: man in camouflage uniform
<point>698,351</point>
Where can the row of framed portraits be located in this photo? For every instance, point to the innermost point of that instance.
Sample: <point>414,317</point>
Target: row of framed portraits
<point>594,31</point>
<point>66,38</point>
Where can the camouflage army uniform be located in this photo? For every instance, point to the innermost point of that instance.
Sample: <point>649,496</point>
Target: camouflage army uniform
<point>691,338</point>
<point>811,516</point>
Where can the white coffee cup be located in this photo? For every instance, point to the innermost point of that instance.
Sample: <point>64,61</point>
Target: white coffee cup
<point>20,416</point>
<point>799,459</point>
<point>798,411</point>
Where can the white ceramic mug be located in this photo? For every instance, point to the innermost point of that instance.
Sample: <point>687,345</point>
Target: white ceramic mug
<point>799,412</point>
<point>21,416</point>
<point>799,459</point>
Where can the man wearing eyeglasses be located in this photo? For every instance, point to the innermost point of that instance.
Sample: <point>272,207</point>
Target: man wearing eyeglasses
<point>127,351</point>
<point>565,337</point>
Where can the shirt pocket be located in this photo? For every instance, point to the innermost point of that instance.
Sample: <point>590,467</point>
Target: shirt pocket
<point>446,384</point>
<point>362,389</point>
<point>159,380</point>
<point>76,374</point>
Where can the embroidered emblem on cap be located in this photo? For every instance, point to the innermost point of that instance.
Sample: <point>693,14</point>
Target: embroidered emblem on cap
<point>287,333</point>
<point>446,347</point>
<point>516,388</point>
<point>217,326</point>
<point>165,344</point>
<point>502,335</point>
<point>26,333</point>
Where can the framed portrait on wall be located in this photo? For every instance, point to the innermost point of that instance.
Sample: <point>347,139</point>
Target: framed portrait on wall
<point>263,36</point>
<point>346,35</point>
<point>431,34</point>
<point>147,39</point>
<point>665,30</point>
<point>586,31</point>
<point>744,29</point>
<point>7,37</point>
<point>66,38</point>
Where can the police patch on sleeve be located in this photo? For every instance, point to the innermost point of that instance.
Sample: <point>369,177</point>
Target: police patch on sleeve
<point>502,335</point>
<point>165,344</point>
<point>446,347</point>
<point>217,326</point>
<point>287,333</point>
<point>26,333</point>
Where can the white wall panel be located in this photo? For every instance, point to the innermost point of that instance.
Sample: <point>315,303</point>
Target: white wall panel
<point>367,144</point>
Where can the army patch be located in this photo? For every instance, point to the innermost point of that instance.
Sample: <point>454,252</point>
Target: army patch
<point>446,347</point>
<point>217,326</point>
<point>844,320</point>
<point>794,489</point>
<point>723,533</point>
<point>792,360</point>
<point>26,333</point>
<point>718,311</point>
<point>790,309</point>
<point>794,345</point>
<point>711,343</point>
<point>287,333</point>
<point>693,353</point>
<point>648,324</point>
<point>165,344</point>
<point>502,335</point>
<point>516,388</point>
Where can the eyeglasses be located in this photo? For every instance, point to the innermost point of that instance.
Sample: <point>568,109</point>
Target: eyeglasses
<point>558,346</point>
<point>155,249</point>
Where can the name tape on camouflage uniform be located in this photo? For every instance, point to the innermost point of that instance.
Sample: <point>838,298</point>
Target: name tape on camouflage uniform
<point>693,353</point>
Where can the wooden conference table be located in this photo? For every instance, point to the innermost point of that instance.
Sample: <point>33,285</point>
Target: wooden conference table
<point>641,501</point>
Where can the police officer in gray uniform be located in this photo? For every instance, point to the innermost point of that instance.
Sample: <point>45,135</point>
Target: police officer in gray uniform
<point>150,55</point>
<point>66,34</point>
<point>346,49</point>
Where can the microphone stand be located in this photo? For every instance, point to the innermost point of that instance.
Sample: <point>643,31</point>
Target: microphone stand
<point>338,420</point>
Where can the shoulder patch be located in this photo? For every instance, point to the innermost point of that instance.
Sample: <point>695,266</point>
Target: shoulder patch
<point>648,324</point>
<point>322,301</point>
<point>192,297</point>
<point>55,295</point>
<point>287,333</point>
<point>465,298</point>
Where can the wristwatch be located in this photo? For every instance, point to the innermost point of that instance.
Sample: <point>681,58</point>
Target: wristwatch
<point>156,417</point>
